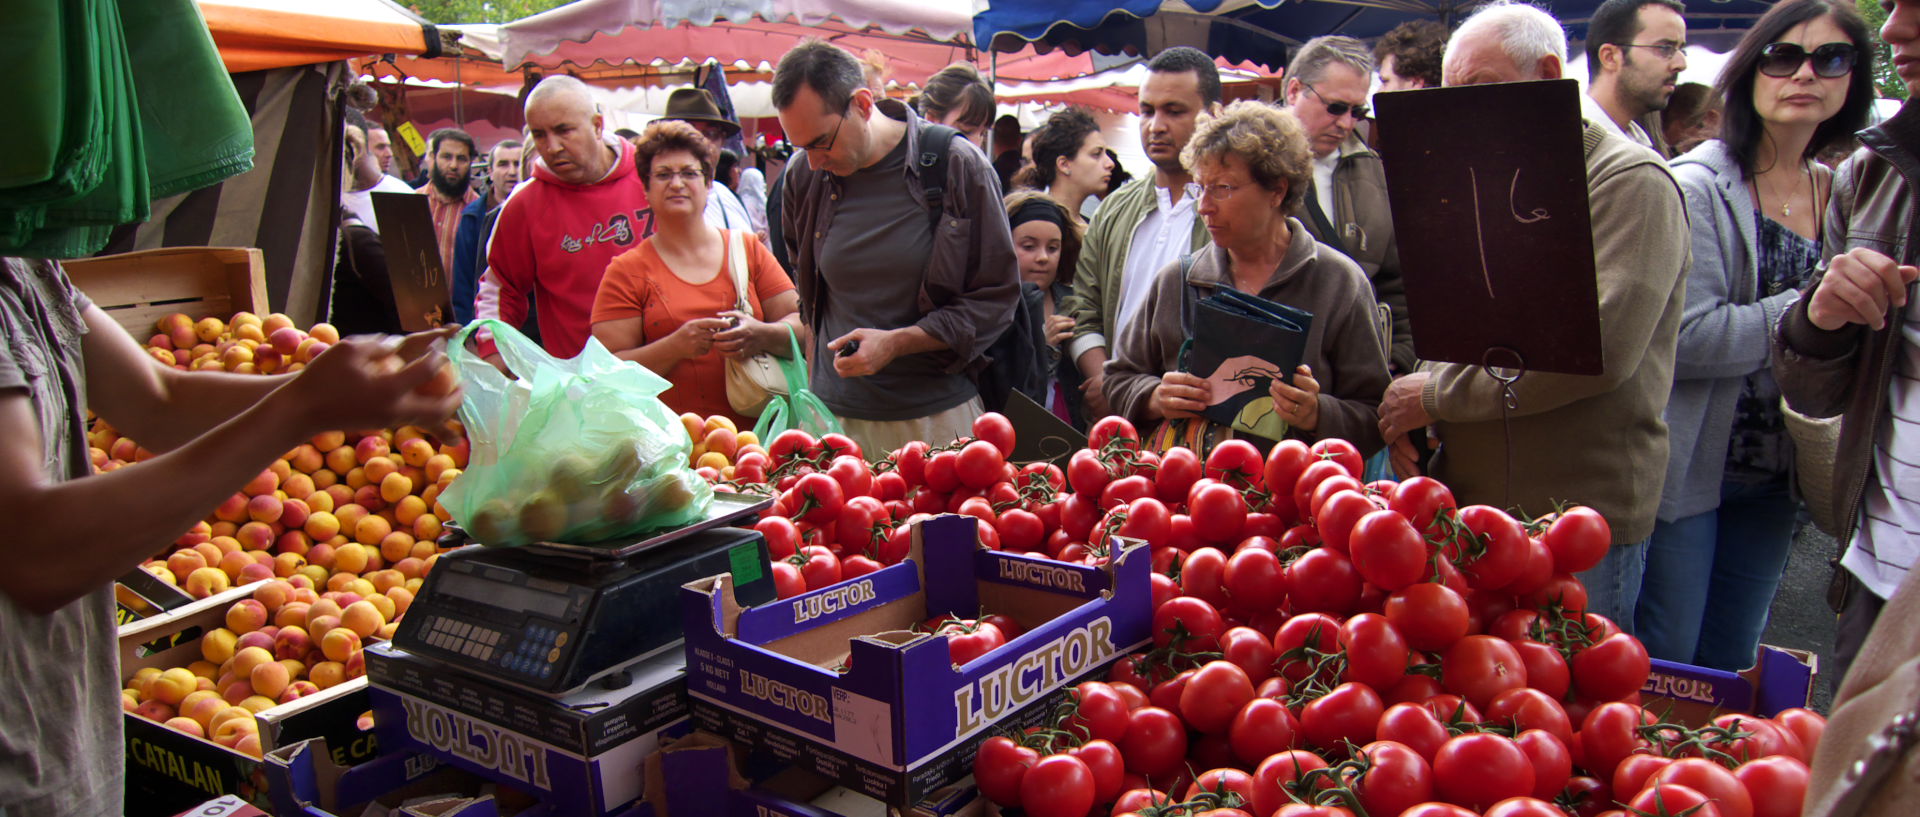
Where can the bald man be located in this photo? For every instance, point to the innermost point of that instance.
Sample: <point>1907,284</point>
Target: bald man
<point>1600,440</point>
<point>583,205</point>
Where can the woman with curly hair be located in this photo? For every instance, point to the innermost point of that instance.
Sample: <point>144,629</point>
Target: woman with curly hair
<point>1252,165</point>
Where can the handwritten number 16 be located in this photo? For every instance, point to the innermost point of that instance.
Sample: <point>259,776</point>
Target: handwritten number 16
<point>1479,231</point>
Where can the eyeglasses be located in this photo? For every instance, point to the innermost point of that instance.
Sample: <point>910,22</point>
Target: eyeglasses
<point>1667,51</point>
<point>693,178</point>
<point>1219,192</point>
<point>1830,60</point>
<point>1337,109</point>
<point>831,137</point>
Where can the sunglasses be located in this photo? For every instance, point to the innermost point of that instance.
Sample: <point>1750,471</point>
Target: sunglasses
<point>1337,109</point>
<point>1830,60</point>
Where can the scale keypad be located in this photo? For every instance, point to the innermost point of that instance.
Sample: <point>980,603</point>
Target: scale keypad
<point>535,654</point>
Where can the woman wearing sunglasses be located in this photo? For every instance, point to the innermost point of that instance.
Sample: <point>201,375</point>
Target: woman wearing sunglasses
<point>1799,81</point>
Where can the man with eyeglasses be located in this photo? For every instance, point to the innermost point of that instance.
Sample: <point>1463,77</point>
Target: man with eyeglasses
<point>1598,441</point>
<point>1346,208</point>
<point>902,297</point>
<point>583,204</point>
<point>1636,50</point>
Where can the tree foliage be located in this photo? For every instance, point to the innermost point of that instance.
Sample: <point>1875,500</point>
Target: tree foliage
<point>1884,78</point>
<point>480,11</point>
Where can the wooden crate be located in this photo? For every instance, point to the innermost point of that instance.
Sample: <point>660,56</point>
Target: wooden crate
<point>139,288</point>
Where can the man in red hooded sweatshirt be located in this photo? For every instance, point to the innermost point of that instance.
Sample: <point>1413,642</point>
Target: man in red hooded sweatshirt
<point>584,205</point>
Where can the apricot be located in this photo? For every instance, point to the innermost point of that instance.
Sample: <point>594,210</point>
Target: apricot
<point>722,441</point>
<point>292,615</point>
<point>389,578</point>
<point>369,530</point>
<point>220,545</point>
<point>158,712</point>
<point>207,581</point>
<point>128,700</point>
<point>291,642</point>
<point>247,615</point>
<point>314,574</point>
<point>231,563</point>
<point>543,517</point>
<point>396,546</point>
<point>395,487</point>
<point>298,689</point>
<point>712,459</point>
<point>218,645</point>
<point>286,339</point>
<point>230,713</point>
<point>174,685</point>
<point>209,330</point>
<point>184,562</point>
<point>222,528</point>
<point>160,572</point>
<point>322,525</point>
<point>204,669</point>
<point>232,509</point>
<point>319,626</point>
<point>349,516</point>
<point>360,617</point>
<point>274,594</point>
<point>377,469</point>
<point>201,706</point>
<point>289,562</point>
<point>369,448</point>
<point>142,680</point>
<point>384,606</point>
<point>342,642</point>
<point>426,528</point>
<point>249,745</point>
<point>327,674</point>
<point>256,536</point>
<point>187,725</point>
<point>325,333</point>
<point>321,499</point>
<point>256,572</point>
<point>230,731</point>
<point>368,496</point>
<point>357,588</point>
<point>270,679</point>
<point>294,512</point>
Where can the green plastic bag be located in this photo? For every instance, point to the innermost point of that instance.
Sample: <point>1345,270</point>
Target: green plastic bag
<point>798,408</point>
<point>578,450</point>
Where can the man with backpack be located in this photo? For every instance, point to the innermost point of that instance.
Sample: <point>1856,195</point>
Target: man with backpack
<point>901,254</point>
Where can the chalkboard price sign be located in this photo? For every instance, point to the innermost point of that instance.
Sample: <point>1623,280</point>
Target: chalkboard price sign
<point>422,295</point>
<point>1488,188</point>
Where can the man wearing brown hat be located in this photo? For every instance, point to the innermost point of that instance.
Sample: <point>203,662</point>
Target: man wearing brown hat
<point>696,107</point>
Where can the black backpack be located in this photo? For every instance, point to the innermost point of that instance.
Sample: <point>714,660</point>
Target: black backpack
<point>1017,358</point>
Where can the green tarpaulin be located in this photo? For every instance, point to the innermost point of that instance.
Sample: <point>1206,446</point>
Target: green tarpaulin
<point>122,102</point>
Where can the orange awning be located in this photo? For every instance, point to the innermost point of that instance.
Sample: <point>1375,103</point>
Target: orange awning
<point>255,35</point>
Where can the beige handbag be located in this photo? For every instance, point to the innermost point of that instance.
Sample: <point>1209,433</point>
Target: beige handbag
<point>751,382</point>
<point>1815,440</point>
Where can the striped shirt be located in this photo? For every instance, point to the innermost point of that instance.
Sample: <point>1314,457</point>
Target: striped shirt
<point>1889,529</point>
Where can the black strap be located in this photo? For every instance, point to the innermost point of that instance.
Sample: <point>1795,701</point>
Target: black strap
<point>936,147</point>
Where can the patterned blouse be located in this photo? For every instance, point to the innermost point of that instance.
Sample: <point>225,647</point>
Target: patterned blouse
<point>1760,450</point>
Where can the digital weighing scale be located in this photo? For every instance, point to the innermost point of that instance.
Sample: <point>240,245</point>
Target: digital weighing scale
<point>553,617</point>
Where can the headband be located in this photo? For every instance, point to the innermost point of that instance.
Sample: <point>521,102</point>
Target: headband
<point>1039,209</point>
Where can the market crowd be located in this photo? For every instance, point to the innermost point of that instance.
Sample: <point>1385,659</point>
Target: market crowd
<point>930,261</point>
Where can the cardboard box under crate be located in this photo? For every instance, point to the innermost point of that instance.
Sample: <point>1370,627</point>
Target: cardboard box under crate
<point>1779,679</point>
<point>137,289</point>
<point>903,720</point>
<point>169,770</point>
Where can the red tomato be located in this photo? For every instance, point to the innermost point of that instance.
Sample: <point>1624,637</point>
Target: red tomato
<point>1608,735</point>
<point>783,539</point>
<point>1342,452</point>
<point>1021,531</point>
<point>999,767</point>
<point>1350,713</point>
<point>979,464</point>
<point>1536,572</point>
<point>1281,774</point>
<point>1376,654</point>
<point>1528,708</point>
<point>1552,763</point>
<point>1413,726</point>
<point>1315,631</point>
<point>1478,770</point>
<point>1563,589</point>
<point>1155,743</point>
<point>787,580</point>
<point>1099,712</point>
<point>1199,621</point>
<point>790,445</point>
<point>1613,669</point>
<point>1214,695</point>
<point>889,486</point>
<point>941,472</point>
<point>1579,538</point>
<point>818,566</point>
<point>1497,551</point>
<point>1546,668</point>
<point>1134,801</point>
<point>1113,427</point>
<point>1398,778</point>
<point>1421,500</point>
<point>1337,516</point>
<point>857,565</point>
<point>979,508</point>
<point>1776,785</point>
<point>853,474</point>
<point>1262,727</point>
<point>834,444</point>
<point>1218,514</point>
<point>1109,769</point>
<point>1248,649</point>
<point>1479,667</point>
<point>1439,810</point>
<point>1430,616</point>
<point>817,498</point>
<point>1317,501</point>
<point>1203,576</point>
<point>1708,778</point>
<point>1588,796</point>
<point>1057,786</point>
<point>1125,490</point>
<point>1147,519</point>
<point>1387,551</point>
<point>1323,581</point>
<point>1078,515</point>
<point>1254,581</point>
<point>1237,463</point>
<point>910,462</point>
<point>1229,789</point>
<point>967,640</point>
<point>1673,800</point>
<point>1305,810</point>
<point>1805,724</point>
<point>994,427</point>
<point>1179,469</point>
<point>1285,463</point>
<point>1316,472</point>
<point>1525,807</point>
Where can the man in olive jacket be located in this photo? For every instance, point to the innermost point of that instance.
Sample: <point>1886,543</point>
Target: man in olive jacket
<point>1599,440</point>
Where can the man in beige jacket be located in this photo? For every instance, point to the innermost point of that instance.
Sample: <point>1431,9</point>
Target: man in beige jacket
<point>1597,441</point>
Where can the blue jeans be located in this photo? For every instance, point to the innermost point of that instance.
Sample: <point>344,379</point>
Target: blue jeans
<point>1613,585</point>
<point>1711,577</point>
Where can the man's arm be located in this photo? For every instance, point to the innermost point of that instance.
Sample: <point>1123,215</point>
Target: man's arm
<point>1640,254</point>
<point>510,264</point>
<point>973,317</point>
<point>66,539</point>
<point>1814,366</point>
<point>160,407</point>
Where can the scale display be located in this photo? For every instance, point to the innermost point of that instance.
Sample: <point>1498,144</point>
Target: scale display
<point>552,623</point>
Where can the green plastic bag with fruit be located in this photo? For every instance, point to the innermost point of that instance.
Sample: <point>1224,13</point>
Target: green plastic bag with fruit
<point>572,450</point>
<point>798,408</point>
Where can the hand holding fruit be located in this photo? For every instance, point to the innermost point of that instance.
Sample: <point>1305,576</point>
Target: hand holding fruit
<point>1179,395</point>
<point>371,383</point>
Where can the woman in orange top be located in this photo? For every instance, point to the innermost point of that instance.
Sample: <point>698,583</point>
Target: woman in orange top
<point>670,304</point>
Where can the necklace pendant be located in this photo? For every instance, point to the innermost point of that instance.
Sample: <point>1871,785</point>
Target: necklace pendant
<point>1786,209</point>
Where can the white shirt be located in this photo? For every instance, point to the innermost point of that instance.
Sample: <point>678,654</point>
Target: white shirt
<point>1323,181</point>
<point>725,211</point>
<point>1591,111</point>
<point>1162,237</point>
<point>1888,537</point>
<point>753,194</point>
<point>359,203</point>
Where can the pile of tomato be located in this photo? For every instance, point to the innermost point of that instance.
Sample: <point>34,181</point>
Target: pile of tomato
<point>1322,647</point>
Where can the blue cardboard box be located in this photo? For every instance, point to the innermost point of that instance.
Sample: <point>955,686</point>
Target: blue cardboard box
<point>903,720</point>
<point>1779,679</point>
